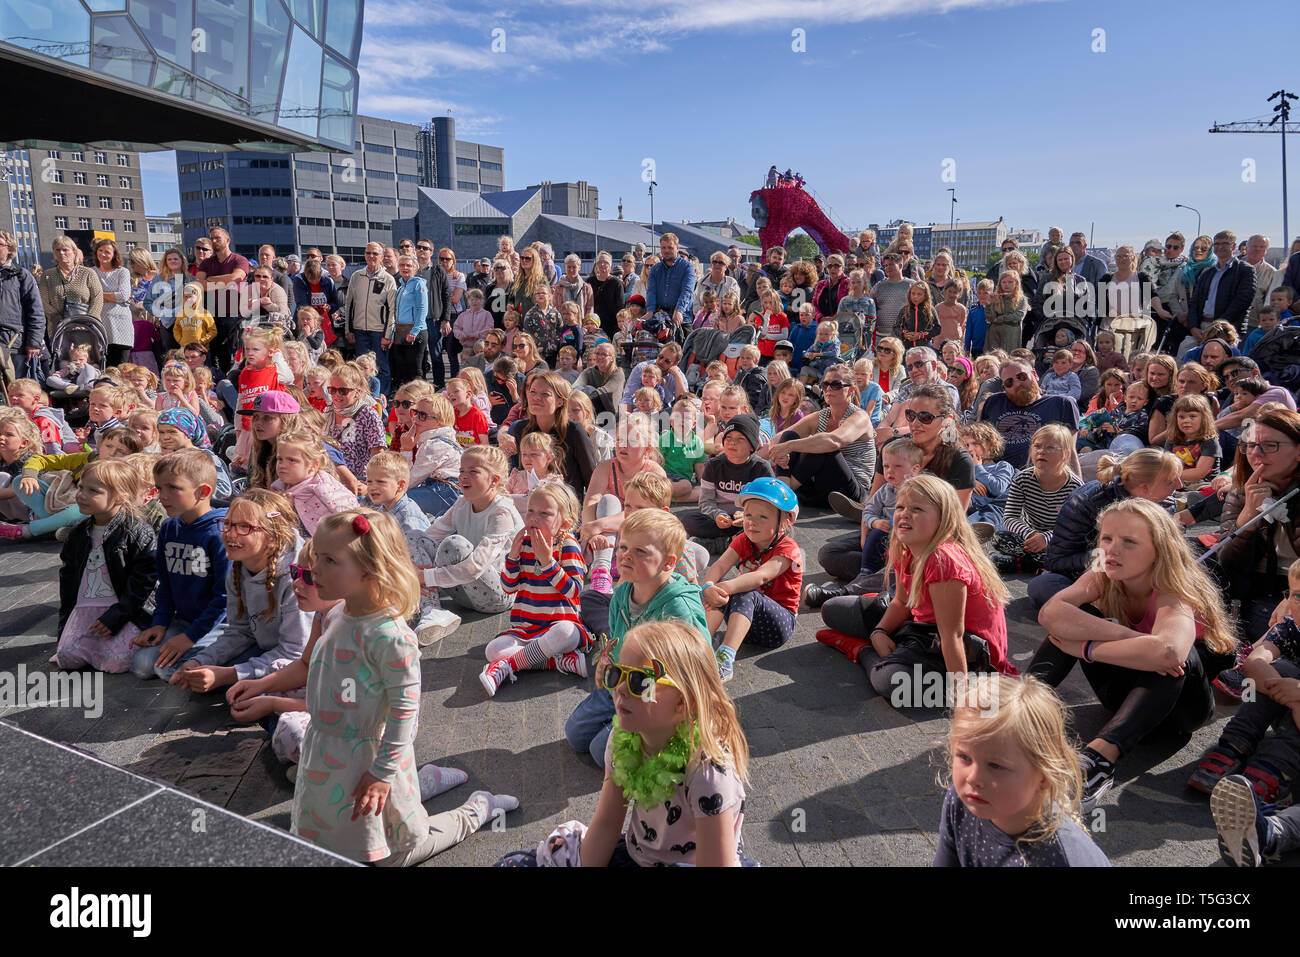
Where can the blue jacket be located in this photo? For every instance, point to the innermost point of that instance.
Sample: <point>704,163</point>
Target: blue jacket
<point>977,327</point>
<point>671,288</point>
<point>192,570</point>
<point>302,293</point>
<point>801,337</point>
<point>412,304</point>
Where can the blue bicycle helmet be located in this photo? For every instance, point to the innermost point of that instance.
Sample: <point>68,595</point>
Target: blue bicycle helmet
<point>774,492</point>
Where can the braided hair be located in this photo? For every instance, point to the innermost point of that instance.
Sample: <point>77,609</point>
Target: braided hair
<point>276,516</point>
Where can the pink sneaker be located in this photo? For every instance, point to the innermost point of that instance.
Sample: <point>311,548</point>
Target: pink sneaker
<point>10,530</point>
<point>601,580</point>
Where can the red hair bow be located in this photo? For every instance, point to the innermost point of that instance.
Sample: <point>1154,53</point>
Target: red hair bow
<point>361,525</point>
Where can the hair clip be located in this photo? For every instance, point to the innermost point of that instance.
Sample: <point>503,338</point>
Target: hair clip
<point>361,525</point>
<point>272,514</point>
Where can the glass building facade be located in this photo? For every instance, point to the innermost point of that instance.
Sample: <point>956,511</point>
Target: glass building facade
<point>263,73</point>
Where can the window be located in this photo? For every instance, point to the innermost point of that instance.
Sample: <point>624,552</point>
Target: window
<point>257,164</point>
<point>377,148</point>
<point>106,225</point>
<point>348,198</point>
<point>58,199</point>
<point>216,221</point>
<point>58,175</point>
<point>477,229</point>
<point>466,161</point>
<point>56,155</point>
<point>314,221</point>
<point>78,157</point>
<point>381,227</point>
<point>83,223</point>
<point>267,221</point>
<point>194,167</point>
<point>123,159</point>
<point>214,194</point>
<point>313,194</point>
<point>105,202</point>
<point>463,184</point>
<point>378,174</point>
<point>260,191</point>
<point>349,224</point>
<point>101,179</point>
<point>128,225</point>
<point>60,222</point>
<point>409,178</point>
<point>484,164</point>
<point>313,167</point>
<point>79,178</point>
<point>100,157</point>
<point>124,182</point>
<point>128,203</point>
<point>409,154</point>
<point>209,165</point>
<point>83,201</point>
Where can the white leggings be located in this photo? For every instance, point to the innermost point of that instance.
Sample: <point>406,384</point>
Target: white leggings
<point>559,639</point>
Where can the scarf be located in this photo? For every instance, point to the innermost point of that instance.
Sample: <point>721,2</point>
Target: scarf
<point>187,422</point>
<point>1192,270</point>
<point>351,411</point>
<point>572,290</point>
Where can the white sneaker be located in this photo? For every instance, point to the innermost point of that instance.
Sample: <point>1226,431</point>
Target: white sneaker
<point>291,772</point>
<point>435,624</point>
<point>984,531</point>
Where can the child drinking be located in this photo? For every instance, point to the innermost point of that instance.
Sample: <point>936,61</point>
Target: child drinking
<point>544,571</point>
<point>76,372</point>
<point>306,478</point>
<point>677,755</point>
<point>107,576</point>
<point>1013,780</point>
<point>264,628</point>
<point>361,559</point>
<point>761,602</point>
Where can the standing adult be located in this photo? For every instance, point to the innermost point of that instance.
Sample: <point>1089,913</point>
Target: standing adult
<point>223,275</point>
<point>716,281</point>
<point>775,268</point>
<point>496,297</point>
<point>481,277</point>
<point>830,289</point>
<point>165,296</point>
<point>1256,250</point>
<point>606,293</point>
<point>69,290</point>
<point>368,311</point>
<point>1009,246</point>
<point>526,282</point>
<point>410,332</point>
<point>22,319</point>
<point>313,288</point>
<point>438,284</point>
<point>890,295</point>
<point>1224,290</point>
<point>263,300</point>
<point>833,451</point>
<point>1125,292</point>
<point>116,283</point>
<point>571,287</point>
<point>1059,293</point>
<point>266,257</point>
<point>1199,260</point>
<point>671,283</point>
<point>943,273</point>
<point>1085,263</point>
<point>202,250</point>
<point>451,307</point>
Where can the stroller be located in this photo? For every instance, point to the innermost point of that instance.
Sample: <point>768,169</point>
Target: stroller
<point>1133,334</point>
<point>75,331</point>
<point>708,345</point>
<point>1044,341</point>
<point>648,335</point>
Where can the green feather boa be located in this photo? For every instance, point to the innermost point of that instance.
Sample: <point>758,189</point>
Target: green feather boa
<point>648,781</point>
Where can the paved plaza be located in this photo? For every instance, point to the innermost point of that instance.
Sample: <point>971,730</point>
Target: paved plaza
<point>838,777</point>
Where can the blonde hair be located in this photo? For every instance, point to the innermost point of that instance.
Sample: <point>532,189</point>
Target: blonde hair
<point>647,394</point>
<point>143,415</point>
<point>195,465</point>
<point>382,555</point>
<point>1141,467</point>
<point>119,476</point>
<point>864,366</point>
<point>543,442</point>
<point>416,390</point>
<point>440,411</point>
<point>489,458</point>
<point>1060,433</point>
<point>271,336</point>
<point>474,377</point>
<point>115,395</point>
<point>952,526</point>
<point>714,371</point>
<point>184,372</point>
<point>392,464</point>
<point>27,430</point>
<point>781,368</point>
<point>895,344</point>
<point>1029,713</point>
<point>688,660</point>
<point>986,435</point>
<point>276,516</point>
<point>832,325</point>
<point>1175,573</point>
<point>309,444</point>
<point>737,391</point>
<point>751,352</point>
<point>562,497</point>
<point>662,528</point>
<point>588,410</point>
<point>350,374</point>
<point>653,488</point>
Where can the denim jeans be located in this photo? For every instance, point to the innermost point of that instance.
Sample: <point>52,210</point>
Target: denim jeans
<point>589,726</point>
<point>435,496</point>
<point>145,662</point>
<point>372,342</point>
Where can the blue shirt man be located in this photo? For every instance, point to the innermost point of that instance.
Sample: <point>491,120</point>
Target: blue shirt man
<point>671,283</point>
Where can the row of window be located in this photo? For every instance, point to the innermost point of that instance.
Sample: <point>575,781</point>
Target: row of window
<point>196,194</point>
<point>263,220</point>
<point>206,223</point>
<point>83,202</point>
<point>101,179</point>
<point>477,229</point>
<point>208,165</point>
<point>78,156</point>
<point>477,164</point>
<point>260,191</point>
<point>106,225</point>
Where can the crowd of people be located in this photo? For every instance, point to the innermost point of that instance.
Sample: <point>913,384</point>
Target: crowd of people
<point>279,479</point>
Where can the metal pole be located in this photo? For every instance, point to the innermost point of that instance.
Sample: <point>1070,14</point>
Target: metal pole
<point>1286,226</point>
<point>1198,218</point>
<point>652,214</point>
<point>596,229</point>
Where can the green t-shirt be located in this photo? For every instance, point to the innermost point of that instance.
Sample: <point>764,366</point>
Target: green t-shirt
<point>681,458</point>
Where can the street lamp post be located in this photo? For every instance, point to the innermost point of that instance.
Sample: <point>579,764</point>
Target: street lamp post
<point>653,184</point>
<point>1196,211</point>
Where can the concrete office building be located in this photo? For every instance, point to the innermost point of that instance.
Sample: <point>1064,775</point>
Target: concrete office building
<point>54,191</point>
<point>449,163</point>
<point>336,201</point>
<point>569,199</point>
<point>164,233</point>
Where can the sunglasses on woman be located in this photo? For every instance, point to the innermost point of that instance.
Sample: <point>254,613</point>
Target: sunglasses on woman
<point>925,418</point>
<point>421,416</point>
<point>301,573</point>
<point>341,390</point>
<point>640,681</point>
<point>403,403</point>
<point>835,384</point>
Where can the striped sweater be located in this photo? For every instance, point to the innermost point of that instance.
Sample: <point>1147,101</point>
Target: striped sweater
<point>545,591</point>
<point>1030,509</point>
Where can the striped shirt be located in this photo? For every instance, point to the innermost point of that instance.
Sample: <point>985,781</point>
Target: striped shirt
<point>545,591</point>
<point>860,454</point>
<point>1031,509</point>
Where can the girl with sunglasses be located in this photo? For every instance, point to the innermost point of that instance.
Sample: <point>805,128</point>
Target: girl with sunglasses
<point>404,400</point>
<point>677,756</point>
<point>434,454</point>
<point>264,628</point>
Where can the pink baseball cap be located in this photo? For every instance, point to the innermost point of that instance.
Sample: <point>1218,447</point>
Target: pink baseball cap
<point>274,401</point>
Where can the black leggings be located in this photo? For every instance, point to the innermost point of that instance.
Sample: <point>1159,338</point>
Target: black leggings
<point>406,360</point>
<point>1140,701</point>
<point>819,474</point>
<point>118,355</point>
<point>856,616</point>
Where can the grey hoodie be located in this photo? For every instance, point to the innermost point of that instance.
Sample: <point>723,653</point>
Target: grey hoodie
<point>281,636</point>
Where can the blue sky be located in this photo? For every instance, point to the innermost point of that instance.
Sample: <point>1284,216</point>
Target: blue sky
<point>1042,130</point>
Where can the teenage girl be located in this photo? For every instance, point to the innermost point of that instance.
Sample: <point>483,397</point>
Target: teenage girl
<point>544,571</point>
<point>357,793</point>
<point>677,756</point>
<point>264,628</point>
<point>1159,636</point>
<point>1013,794</point>
<point>108,573</point>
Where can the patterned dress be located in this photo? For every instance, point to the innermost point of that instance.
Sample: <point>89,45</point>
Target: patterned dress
<point>363,695</point>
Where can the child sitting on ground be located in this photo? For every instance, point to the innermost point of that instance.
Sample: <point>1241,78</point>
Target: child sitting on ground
<point>539,460</point>
<point>544,571</point>
<point>823,353</point>
<point>1061,380</point>
<point>57,436</point>
<point>993,477</point>
<point>761,602</point>
<point>682,447</point>
<point>306,478</point>
<point>144,423</point>
<point>725,474</point>
<point>434,454</point>
<point>751,378</point>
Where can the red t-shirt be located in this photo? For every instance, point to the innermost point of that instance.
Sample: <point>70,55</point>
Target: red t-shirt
<point>784,589</point>
<point>472,427</point>
<point>253,382</point>
<point>770,332</point>
<point>225,305</point>
<point>949,562</point>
